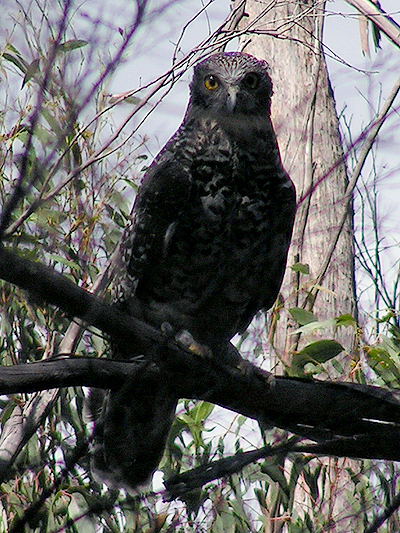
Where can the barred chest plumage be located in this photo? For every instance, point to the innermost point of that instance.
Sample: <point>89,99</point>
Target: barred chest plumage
<point>228,241</point>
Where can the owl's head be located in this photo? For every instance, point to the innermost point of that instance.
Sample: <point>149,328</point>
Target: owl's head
<point>232,83</point>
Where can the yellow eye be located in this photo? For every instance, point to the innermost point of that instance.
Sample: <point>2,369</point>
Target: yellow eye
<point>251,80</point>
<point>211,82</point>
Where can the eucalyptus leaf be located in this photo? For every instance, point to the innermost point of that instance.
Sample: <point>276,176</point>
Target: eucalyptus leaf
<point>31,71</point>
<point>346,321</point>
<point>314,326</point>
<point>316,352</point>
<point>17,61</point>
<point>302,316</point>
<point>301,268</point>
<point>72,44</point>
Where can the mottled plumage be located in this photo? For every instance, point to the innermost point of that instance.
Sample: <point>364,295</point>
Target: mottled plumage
<point>206,248</point>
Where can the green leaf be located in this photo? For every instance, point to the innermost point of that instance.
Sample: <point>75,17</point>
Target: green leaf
<point>316,352</point>
<point>202,411</point>
<point>77,506</point>
<point>51,121</point>
<point>302,269</point>
<point>275,472</point>
<point>346,321</point>
<point>302,316</point>
<point>113,98</point>
<point>31,71</point>
<point>384,359</point>
<point>17,61</point>
<point>314,326</point>
<point>391,348</point>
<point>72,44</point>
<point>66,262</point>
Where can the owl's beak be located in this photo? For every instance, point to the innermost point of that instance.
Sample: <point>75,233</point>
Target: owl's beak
<point>231,101</point>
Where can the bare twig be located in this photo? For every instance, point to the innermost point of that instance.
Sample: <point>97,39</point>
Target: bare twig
<point>377,15</point>
<point>384,515</point>
<point>368,137</point>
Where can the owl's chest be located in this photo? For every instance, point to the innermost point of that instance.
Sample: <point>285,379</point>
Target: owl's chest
<point>229,213</point>
<point>221,222</point>
<point>230,198</point>
<point>222,209</point>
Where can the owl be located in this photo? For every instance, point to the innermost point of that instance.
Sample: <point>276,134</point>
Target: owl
<point>205,250</point>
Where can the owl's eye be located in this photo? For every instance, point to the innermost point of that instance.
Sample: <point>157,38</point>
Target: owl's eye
<point>211,82</point>
<point>251,80</point>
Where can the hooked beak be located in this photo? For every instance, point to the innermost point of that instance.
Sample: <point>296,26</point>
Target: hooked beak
<point>231,101</point>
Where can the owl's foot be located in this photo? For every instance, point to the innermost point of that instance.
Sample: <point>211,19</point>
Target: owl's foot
<point>185,338</point>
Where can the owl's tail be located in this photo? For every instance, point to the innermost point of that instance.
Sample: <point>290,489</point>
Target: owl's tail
<point>131,432</point>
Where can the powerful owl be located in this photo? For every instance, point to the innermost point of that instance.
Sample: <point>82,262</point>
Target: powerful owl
<point>205,250</point>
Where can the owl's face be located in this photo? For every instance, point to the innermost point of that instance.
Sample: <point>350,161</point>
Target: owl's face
<point>229,84</point>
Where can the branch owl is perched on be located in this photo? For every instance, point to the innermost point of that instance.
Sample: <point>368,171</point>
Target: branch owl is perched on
<point>206,248</point>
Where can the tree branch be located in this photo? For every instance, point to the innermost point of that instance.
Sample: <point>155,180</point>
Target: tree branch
<point>345,419</point>
<point>381,19</point>
<point>46,285</point>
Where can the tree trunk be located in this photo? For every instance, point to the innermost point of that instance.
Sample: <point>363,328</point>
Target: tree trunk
<point>288,36</point>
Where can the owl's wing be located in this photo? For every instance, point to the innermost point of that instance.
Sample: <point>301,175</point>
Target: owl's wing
<point>281,218</point>
<point>132,429</point>
<point>162,196</point>
<point>284,214</point>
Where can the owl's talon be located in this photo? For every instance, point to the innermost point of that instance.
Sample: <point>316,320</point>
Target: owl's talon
<point>185,338</point>
<point>167,330</point>
<point>246,368</point>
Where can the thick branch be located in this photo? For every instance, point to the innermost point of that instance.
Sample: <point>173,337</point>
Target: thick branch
<point>321,411</point>
<point>48,286</point>
<point>345,418</point>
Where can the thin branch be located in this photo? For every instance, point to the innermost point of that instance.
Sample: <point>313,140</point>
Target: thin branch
<point>386,513</point>
<point>370,136</point>
<point>379,17</point>
<point>178,485</point>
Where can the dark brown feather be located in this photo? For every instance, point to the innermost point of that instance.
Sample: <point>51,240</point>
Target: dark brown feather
<point>206,248</point>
